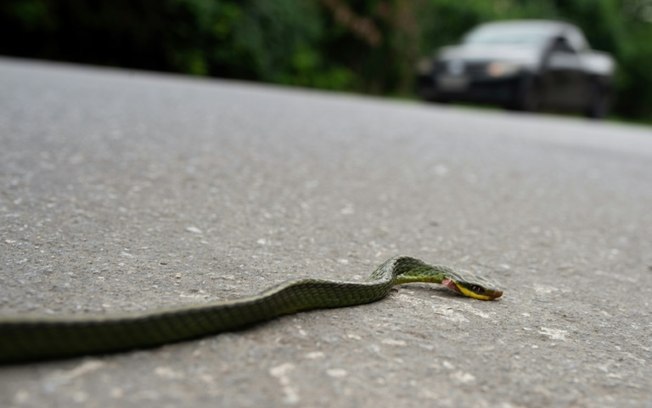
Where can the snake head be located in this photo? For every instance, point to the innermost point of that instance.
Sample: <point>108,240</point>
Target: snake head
<point>474,287</point>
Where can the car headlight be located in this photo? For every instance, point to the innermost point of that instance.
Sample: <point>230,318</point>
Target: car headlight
<point>501,69</point>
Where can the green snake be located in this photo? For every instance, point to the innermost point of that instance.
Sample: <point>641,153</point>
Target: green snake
<point>45,337</point>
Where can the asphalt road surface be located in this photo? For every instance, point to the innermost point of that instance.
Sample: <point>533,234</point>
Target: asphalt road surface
<point>126,191</point>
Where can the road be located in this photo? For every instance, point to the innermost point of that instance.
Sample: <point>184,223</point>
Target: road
<point>128,191</point>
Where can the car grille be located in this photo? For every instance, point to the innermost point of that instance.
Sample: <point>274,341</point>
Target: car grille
<point>472,69</point>
<point>476,69</point>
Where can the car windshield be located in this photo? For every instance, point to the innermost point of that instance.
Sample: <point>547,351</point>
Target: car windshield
<point>509,35</point>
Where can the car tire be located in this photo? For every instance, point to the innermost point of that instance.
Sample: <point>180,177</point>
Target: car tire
<point>430,94</point>
<point>527,96</point>
<point>441,100</point>
<point>599,101</point>
<point>425,93</point>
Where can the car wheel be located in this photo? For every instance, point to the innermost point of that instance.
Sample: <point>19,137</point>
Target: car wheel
<point>425,93</point>
<point>431,95</point>
<point>527,95</point>
<point>598,103</point>
<point>441,99</point>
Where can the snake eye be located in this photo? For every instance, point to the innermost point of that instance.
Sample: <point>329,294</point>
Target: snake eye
<point>476,289</point>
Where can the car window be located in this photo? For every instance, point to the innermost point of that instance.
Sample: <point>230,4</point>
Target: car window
<point>518,35</point>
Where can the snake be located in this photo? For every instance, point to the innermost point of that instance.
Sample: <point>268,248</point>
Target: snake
<point>32,338</point>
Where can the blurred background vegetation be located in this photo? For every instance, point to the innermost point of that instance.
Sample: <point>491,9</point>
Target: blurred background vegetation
<point>367,46</point>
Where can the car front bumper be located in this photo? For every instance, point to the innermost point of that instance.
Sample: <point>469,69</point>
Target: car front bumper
<point>503,90</point>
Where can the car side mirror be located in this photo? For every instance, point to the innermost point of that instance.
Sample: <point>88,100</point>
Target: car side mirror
<point>560,44</point>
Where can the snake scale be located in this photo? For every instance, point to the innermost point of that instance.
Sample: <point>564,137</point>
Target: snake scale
<point>33,338</point>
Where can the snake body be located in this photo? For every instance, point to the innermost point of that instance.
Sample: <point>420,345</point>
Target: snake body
<point>43,337</point>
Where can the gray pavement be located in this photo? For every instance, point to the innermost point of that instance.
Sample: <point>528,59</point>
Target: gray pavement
<point>126,191</point>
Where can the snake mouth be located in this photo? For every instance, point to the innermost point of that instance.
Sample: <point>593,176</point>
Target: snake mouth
<point>451,285</point>
<point>476,293</point>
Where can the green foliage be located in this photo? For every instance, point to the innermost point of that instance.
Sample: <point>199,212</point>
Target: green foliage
<point>364,46</point>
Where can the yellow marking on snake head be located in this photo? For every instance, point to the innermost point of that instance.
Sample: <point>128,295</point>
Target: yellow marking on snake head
<point>476,291</point>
